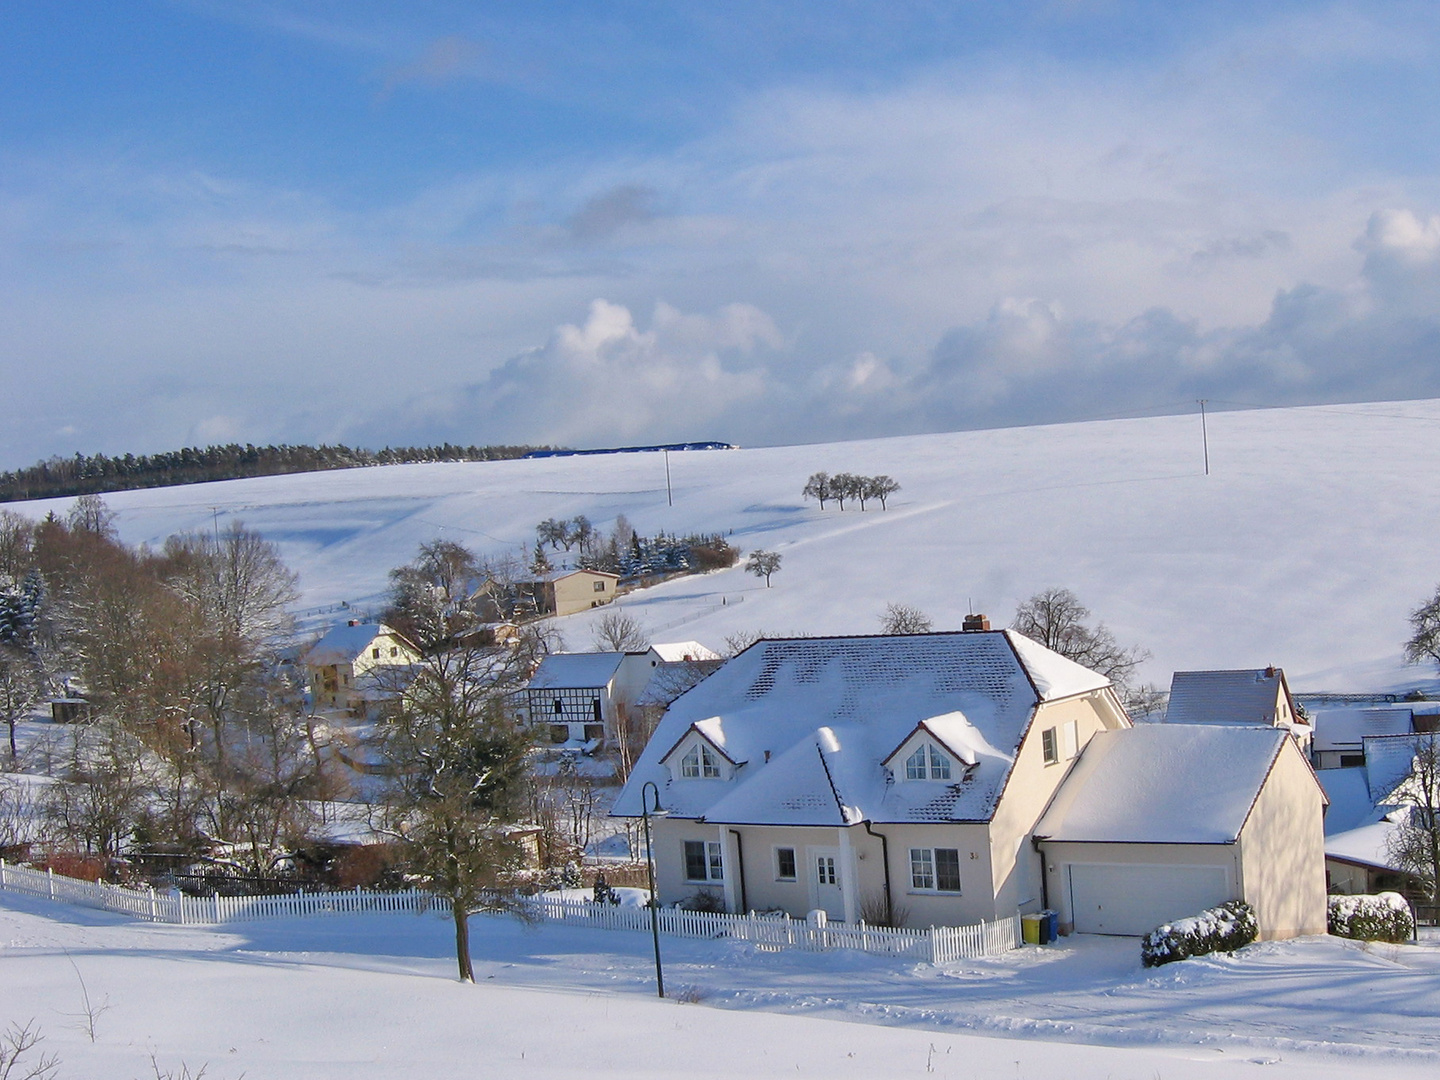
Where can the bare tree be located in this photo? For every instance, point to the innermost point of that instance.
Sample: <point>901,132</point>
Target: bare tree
<point>17,820</point>
<point>16,1061</point>
<point>552,532</point>
<point>19,689</point>
<point>1414,843</point>
<point>817,488</point>
<point>844,486</point>
<point>880,487</point>
<point>17,546</point>
<point>1424,643</point>
<point>741,640</point>
<point>763,564</point>
<point>90,514</point>
<point>104,797</point>
<point>901,619</point>
<point>618,631</point>
<point>1056,618</point>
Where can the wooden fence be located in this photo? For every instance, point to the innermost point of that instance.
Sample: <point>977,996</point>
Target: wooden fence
<point>939,944</point>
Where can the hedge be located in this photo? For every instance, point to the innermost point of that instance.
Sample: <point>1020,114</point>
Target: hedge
<point>1218,929</point>
<point>1385,917</point>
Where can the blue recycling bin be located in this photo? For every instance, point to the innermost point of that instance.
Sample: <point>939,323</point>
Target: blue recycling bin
<point>1050,926</point>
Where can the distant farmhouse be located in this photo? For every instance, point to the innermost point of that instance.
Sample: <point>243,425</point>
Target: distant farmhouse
<point>575,591</point>
<point>578,701</point>
<point>345,667</point>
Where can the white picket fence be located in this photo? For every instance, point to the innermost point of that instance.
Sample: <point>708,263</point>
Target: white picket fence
<point>195,910</point>
<point>939,944</point>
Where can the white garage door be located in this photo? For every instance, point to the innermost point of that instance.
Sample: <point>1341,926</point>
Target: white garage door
<point>1121,899</point>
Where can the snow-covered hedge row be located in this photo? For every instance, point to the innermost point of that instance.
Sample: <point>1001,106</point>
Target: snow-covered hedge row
<point>1385,917</point>
<point>1218,929</point>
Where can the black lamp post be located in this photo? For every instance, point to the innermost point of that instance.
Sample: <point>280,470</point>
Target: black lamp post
<point>650,871</point>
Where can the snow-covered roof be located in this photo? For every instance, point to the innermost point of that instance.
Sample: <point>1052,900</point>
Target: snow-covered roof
<point>344,644</point>
<point>1224,697</point>
<point>1389,759</point>
<point>560,575</point>
<point>809,722</point>
<point>576,671</point>
<point>1346,729</point>
<point>1368,845</point>
<point>669,681</point>
<point>676,652</point>
<point>1350,803</point>
<point>1164,784</point>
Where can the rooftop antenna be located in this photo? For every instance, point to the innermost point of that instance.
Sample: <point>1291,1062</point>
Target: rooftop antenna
<point>1204,435</point>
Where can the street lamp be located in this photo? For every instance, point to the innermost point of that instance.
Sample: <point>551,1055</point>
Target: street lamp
<point>650,871</point>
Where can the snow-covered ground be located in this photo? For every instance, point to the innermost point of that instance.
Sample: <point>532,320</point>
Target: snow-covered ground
<point>1306,547</point>
<point>374,996</point>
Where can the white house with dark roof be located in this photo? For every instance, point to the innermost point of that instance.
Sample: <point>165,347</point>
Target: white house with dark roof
<point>1246,697</point>
<point>575,700</point>
<point>839,773</point>
<point>906,776</point>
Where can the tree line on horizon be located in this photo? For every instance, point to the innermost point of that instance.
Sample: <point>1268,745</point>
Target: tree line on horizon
<point>93,474</point>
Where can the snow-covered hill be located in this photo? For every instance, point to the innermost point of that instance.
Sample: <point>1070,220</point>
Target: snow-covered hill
<point>1316,532</point>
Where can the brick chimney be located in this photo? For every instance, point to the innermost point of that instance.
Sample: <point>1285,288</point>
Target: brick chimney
<point>975,622</point>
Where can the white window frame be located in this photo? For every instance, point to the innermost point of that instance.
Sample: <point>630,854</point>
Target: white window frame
<point>700,763</point>
<point>780,874</point>
<point>925,870</point>
<point>929,763</point>
<point>1050,746</point>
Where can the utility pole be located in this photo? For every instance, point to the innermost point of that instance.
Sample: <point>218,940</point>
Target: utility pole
<point>1204,434</point>
<point>669,495</point>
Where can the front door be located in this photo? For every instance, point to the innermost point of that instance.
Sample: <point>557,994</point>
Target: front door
<point>825,882</point>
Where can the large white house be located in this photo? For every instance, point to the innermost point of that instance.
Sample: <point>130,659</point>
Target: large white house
<point>905,777</point>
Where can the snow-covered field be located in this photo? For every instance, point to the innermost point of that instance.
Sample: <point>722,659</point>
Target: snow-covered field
<point>374,996</point>
<point>1306,546</point>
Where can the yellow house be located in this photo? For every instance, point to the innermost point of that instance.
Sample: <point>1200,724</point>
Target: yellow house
<point>579,590</point>
<point>344,665</point>
<point>903,778</point>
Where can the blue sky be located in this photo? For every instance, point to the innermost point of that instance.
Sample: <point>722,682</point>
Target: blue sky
<point>763,222</point>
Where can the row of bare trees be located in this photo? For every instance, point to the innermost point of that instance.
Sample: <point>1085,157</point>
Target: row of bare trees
<point>824,488</point>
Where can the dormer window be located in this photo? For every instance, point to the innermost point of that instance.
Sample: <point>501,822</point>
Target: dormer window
<point>699,763</point>
<point>927,763</point>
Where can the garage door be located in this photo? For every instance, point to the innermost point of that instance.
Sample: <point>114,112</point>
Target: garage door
<point>1121,899</point>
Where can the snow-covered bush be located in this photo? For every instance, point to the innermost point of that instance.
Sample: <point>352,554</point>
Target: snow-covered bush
<point>1385,917</point>
<point>1218,929</point>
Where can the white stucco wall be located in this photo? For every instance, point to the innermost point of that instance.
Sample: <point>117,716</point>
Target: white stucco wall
<point>1282,848</point>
